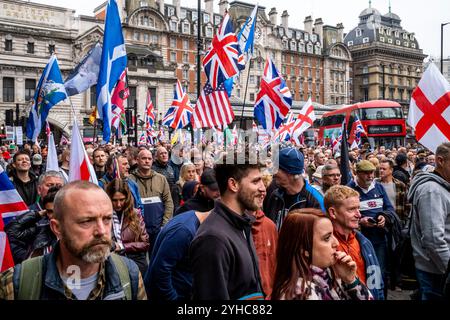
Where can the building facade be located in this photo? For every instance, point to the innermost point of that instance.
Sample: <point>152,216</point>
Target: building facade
<point>161,41</point>
<point>387,60</point>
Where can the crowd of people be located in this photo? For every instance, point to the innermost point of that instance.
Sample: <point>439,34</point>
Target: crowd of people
<point>170,223</point>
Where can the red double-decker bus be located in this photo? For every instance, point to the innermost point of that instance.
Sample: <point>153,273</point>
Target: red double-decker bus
<point>382,120</point>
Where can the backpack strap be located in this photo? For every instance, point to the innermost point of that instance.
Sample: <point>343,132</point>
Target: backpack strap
<point>30,281</point>
<point>124,275</point>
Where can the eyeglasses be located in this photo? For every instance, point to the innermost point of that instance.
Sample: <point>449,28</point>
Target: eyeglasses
<point>334,175</point>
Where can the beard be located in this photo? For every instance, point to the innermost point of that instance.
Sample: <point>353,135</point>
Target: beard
<point>248,200</point>
<point>96,251</point>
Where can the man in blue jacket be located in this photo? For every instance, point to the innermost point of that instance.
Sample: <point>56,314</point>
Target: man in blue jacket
<point>342,204</point>
<point>375,209</point>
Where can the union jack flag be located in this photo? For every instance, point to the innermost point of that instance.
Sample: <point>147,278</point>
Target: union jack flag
<point>149,113</point>
<point>285,131</point>
<point>274,98</point>
<point>179,114</point>
<point>213,108</point>
<point>359,130</point>
<point>224,58</point>
<point>120,94</point>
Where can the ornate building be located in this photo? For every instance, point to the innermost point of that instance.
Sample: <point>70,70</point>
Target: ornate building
<point>161,41</point>
<point>387,60</point>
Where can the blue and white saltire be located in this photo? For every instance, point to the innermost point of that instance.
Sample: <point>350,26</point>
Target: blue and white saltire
<point>50,91</point>
<point>274,99</point>
<point>112,64</point>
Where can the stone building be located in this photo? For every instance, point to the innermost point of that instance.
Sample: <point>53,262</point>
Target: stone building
<point>387,59</point>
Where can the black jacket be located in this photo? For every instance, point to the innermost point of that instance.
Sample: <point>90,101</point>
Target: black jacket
<point>28,233</point>
<point>27,190</point>
<point>308,197</point>
<point>223,257</point>
<point>166,171</point>
<point>402,175</point>
<point>196,203</point>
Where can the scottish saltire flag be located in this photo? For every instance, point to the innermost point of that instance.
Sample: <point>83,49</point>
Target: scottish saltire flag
<point>85,74</point>
<point>223,59</point>
<point>179,114</point>
<point>11,205</point>
<point>246,38</point>
<point>274,98</point>
<point>49,92</point>
<point>112,64</point>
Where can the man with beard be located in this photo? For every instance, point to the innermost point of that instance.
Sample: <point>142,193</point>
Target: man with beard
<point>376,210</point>
<point>80,267</point>
<point>223,256</point>
<point>100,157</point>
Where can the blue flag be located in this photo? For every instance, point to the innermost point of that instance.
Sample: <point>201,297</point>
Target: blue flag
<point>113,62</point>
<point>246,39</point>
<point>50,91</point>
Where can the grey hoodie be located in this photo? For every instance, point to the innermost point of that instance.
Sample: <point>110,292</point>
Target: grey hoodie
<point>429,196</point>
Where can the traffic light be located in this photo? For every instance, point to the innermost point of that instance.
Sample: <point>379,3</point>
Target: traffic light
<point>9,117</point>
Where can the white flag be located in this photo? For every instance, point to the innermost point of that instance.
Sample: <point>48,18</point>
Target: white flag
<point>80,166</point>
<point>52,157</point>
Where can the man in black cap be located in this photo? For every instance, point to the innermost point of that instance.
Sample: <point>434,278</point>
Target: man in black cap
<point>293,190</point>
<point>208,191</point>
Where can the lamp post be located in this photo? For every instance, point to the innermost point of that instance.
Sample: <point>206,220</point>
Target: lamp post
<point>442,45</point>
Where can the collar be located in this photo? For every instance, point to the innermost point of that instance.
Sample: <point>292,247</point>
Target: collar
<point>239,221</point>
<point>341,238</point>
<point>372,186</point>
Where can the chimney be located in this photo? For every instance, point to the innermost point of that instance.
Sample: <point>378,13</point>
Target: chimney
<point>273,16</point>
<point>177,5</point>
<point>340,28</point>
<point>318,29</point>
<point>209,8</point>
<point>223,6</point>
<point>285,20</point>
<point>308,24</point>
<point>161,6</point>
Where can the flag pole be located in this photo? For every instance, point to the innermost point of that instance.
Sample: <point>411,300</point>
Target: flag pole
<point>245,91</point>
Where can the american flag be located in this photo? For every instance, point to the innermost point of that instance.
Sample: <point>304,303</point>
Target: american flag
<point>224,58</point>
<point>179,114</point>
<point>274,99</point>
<point>120,94</point>
<point>213,108</point>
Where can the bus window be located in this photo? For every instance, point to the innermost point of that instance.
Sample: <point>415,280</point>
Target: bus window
<point>332,120</point>
<point>381,113</point>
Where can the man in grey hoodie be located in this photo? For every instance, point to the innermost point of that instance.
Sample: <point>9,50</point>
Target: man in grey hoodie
<point>429,195</point>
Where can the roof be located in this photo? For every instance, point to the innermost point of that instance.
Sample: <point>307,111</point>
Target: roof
<point>140,50</point>
<point>367,104</point>
<point>369,11</point>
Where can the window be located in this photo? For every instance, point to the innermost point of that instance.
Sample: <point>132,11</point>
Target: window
<point>146,38</point>
<point>309,61</point>
<point>365,69</point>
<point>397,33</point>
<point>411,37</point>
<point>194,16</point>
<point>217,20</point>
<point>292,59</point>
<point>51,48</point>
<point>293,45</point>
<point>390,40</point>
<point>185,57</point>
<point>381,113</point>
<point>132,98</point>
<point>285,45</point>
<point>136,36</point>
<point>252,97</point>
<point>406,44</point>
<point>350,43</point>
<point>283,58</point>
<point>358,32</point>
<point>143,4</point>
<point>252,79</point>
<point>317,49</point>
<point>388,32</point>
<point>413,45</point>
<point>30,86</point>
<point>381,31</point>
<point>366,40</point>
<point>8,45</point>
<point>186,27</point>
<point>173,43</point>
<point>382,39</point>
<point>8,89</point>
<point>306,36</point>
<point>30,47</point>
<point>365,80</point>
<point>313,38</point>
<point>309,48</point>
<point>205,18</point>
<point>398,42</point>
<point>209,32</point>
<point>173,26</point>
<point>173,56</point>
<point>185,44</point>
<point>405,36</point>
<point>170,11</point>
<point>283,69</point>
<point>185,74</point>
<point>183,13</point>
<point>93,96</point>
<point>301,47</point>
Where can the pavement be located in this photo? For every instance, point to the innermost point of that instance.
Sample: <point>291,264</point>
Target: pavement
<point>399,294</point>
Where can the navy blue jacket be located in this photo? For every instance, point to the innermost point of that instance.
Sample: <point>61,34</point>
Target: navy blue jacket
<point>169,276</point>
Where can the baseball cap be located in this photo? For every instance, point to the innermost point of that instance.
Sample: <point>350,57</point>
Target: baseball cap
<point>291,160</point>
<point>208,179</point>
<point>365,165</point>
<point>37,159</point>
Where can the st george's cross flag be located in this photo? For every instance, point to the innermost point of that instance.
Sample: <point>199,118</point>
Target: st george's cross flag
<point>304,120</point>
<point>429,109</point>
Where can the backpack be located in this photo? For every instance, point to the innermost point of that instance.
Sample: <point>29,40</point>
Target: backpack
<point>30,281</point>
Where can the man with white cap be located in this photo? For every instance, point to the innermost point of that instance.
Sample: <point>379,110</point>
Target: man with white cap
<point>293,191</point>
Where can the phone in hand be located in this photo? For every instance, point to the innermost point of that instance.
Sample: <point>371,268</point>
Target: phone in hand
<point>372,220</point>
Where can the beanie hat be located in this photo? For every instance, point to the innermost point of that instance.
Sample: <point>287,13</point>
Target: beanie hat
<point>291,160</point>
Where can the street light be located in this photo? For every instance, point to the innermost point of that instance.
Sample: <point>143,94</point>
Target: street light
<point>442,45</point>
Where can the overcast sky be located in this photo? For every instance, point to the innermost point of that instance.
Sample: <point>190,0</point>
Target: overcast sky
<point>424,18</point>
